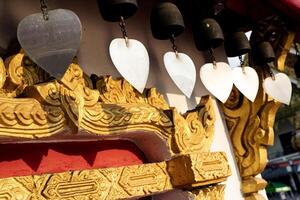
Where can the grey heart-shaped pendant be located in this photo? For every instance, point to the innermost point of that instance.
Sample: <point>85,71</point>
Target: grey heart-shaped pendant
<point>53,43</point>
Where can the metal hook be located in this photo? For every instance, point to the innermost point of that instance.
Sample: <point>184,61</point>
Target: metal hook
<point>44,9</point>
<point>174,47</point>
<point>123,30</point>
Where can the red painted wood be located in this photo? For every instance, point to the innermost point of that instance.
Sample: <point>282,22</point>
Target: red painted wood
<point>290,8</point>
<point>258,9</point>
<point>27,159</point>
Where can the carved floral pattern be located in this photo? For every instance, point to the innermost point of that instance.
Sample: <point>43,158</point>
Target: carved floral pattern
<point>32,105</point>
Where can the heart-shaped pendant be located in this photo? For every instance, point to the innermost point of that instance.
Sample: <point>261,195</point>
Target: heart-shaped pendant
<point>217,79</point>
<point>246,81</point>
<point>53,43</point>
<point>279,88</point>
<point>182,70</point>
<point>131,60</point>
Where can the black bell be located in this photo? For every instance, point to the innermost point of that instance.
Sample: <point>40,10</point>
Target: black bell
<point>166,20</point>
<point>112,10</point>
<point>264,53</point>
<point>236,44</point>
<point>207,34</point>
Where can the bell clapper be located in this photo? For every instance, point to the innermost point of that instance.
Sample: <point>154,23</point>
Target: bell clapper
<point>212,57</point>
<point>174,46</point>
<point>270,71</point>
<point>44,9</point>
<point>242,64</point>
<point>123,30</point>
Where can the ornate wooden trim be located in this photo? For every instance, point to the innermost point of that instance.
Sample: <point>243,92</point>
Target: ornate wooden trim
<point>250,124</point>
<point>123,182</point>
<point>210,193</point>
<point>34,108</point>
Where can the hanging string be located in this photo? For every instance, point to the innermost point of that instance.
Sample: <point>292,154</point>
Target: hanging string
<point>44,9</point>
<point>174,47</point>
<point>123,30</point>
<point>212,57</point>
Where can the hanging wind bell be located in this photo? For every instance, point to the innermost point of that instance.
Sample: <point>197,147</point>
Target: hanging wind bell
<point>216,76</point>
<point>278,85</point>
<point>166,24</point>
<point>129,56</point>
<point>51,38</point>
<point>245,78</point>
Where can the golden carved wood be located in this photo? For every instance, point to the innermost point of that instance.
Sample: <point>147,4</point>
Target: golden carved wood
<point>34,106</point>
<point>250,124</point>
<point>123,182</point>
<point>210,193</point>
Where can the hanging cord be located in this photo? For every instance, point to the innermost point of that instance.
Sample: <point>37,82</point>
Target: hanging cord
<point>212,57</point>
<point>242,63</point>
<point>44,9</point>
<point>174,47</point>
<point>123,30</point>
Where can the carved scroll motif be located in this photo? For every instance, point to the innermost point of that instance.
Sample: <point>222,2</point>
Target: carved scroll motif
<point>251,130</point>
<point>122,182</point>
<point>35,106</point>
<point>250,124</point>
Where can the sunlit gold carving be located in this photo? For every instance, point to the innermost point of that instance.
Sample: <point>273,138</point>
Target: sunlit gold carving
<point>251,130</point>
<point>210,193</point>
<point>121,183</point>
<point>251,124</point>
<point>34,106</point>
<point>2,73</point>
<point>27,118</point>
<point>189,128</point>
<point>284,51</point>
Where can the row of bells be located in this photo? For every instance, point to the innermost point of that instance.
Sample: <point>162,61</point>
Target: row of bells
<point>167,22</point>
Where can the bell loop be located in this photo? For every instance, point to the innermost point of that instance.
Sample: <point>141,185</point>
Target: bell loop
<point>44,9</point>
<point>123,30</point>
<point>174,46</point>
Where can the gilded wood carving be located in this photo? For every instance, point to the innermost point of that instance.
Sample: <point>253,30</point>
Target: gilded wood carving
<point>123,182</point>
<point>250,124</point>
<point>34,107</point>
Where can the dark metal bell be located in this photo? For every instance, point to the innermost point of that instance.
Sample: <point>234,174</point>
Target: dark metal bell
<point>112,10</point>
<point>166,20</point>
<point>265,53</point>
<point>207,34</point>
<point>236,44</point>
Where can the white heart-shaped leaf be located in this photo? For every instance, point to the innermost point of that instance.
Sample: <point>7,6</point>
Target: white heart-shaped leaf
<point>280,88</point>
<point>132,61</point>
<point>217,79</point>
<point>182,70</point>
<point>53,43</point>
<point>246,81</point>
